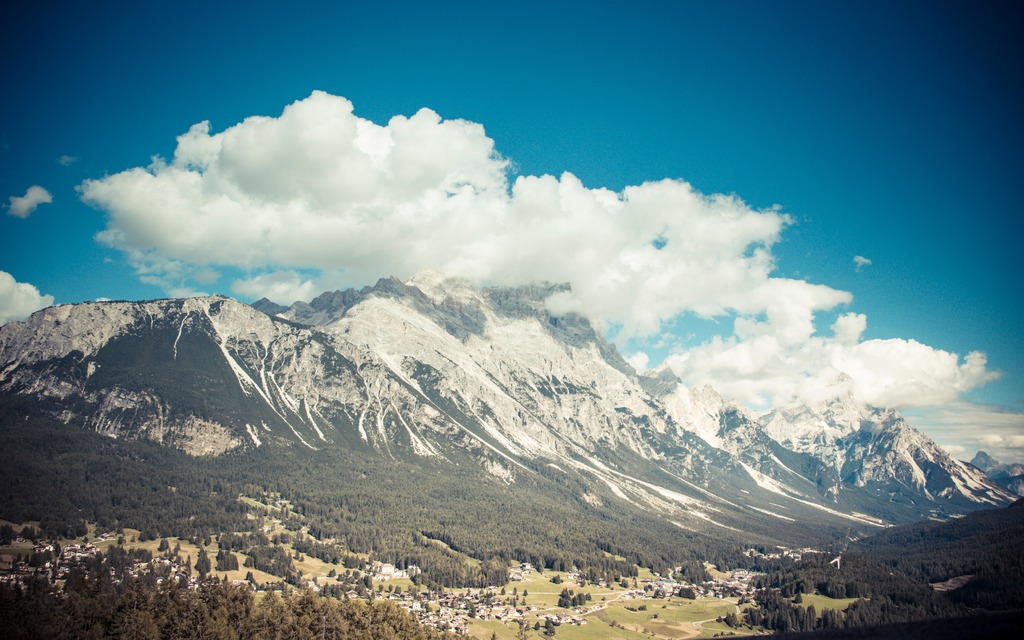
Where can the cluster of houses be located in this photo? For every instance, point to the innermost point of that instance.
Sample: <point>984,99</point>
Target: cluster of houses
<point>45,561</point>
<point>447,610</point>
<point>737,583</point>
<point>564,618</point>
<point>54,564</point>
<point>453,610</point>
<point>171,569</point>
<point>382,571</point>
<point>793,554</point>
<point>520,573</point>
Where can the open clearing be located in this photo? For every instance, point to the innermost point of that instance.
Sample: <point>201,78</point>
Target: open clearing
<point>610,616</point>
<point>823,602</point>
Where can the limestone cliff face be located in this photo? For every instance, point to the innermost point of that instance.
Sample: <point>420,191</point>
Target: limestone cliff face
<point>434,372</point>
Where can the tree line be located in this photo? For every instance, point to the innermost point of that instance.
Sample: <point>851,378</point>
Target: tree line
<point>103,600</point>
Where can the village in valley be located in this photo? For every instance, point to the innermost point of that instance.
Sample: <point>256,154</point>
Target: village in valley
<point>534,603</point>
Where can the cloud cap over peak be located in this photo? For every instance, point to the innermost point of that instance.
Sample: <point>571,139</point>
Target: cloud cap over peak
<point>320,198</point>
<point>320,188</point>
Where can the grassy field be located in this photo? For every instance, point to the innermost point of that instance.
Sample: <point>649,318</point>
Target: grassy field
<point>675,620</point>
<point>9,553</point>
<point>678,618</point>
<point>544,594</point>
<point>824,602</point>
<point>612,616</point>
<point>714,572</point>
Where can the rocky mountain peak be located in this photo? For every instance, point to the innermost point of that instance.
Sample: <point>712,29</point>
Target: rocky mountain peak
<point>984,461</point>
<point>433,369</point>
<point>269,307</point>
<point>660,381</point>
<point>1010,476</point>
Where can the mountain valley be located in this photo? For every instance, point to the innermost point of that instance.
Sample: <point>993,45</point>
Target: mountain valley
<point>394,420</point>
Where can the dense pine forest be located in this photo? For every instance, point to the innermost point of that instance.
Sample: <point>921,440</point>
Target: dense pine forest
<point>348,504</point>
<point>139,610</point>
<point>893,576</point>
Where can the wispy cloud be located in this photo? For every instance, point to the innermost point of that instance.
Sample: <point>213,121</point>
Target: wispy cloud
<point>23,206</point>
<point>860,262</point>
<point>968,427</point>
<point>66,160</point>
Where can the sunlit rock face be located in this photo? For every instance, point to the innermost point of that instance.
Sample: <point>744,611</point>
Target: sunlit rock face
<point>434,371</point>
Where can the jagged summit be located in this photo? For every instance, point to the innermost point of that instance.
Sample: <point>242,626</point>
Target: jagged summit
<point>433,371</point>
<point>984,461</point>
<point>1010,476</point>
<point>817,428</point>
<point>459,308</point>
<point>269,307</point>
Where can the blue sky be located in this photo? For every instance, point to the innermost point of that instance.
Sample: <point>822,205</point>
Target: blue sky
<point>886,132</point>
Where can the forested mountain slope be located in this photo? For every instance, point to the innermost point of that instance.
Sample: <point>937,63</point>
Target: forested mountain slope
<point>413,408</point>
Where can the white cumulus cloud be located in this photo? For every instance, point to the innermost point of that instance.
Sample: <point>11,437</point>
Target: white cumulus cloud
<point>278,285</point>
<point>760,369</point>
<point>639,361</point>
<point>316,187</point>
<point>849,327</point>
<point>23,206</point>
<point>319,188</point>
<point>319,198</point>
<point>18,300</point>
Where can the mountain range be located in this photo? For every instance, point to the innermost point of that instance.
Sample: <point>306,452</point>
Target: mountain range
<point>434,372</point>
<point>1010,476</point>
